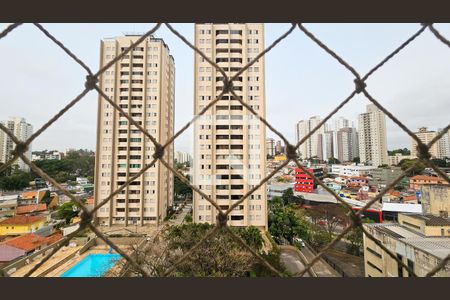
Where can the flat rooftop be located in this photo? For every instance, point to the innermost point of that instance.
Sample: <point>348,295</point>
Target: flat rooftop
<point>436,246</point>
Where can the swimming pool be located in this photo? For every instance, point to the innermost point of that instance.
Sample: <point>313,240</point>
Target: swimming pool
<point>93,265</point>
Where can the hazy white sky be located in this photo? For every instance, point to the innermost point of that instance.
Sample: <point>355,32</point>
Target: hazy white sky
<point>37,78</point>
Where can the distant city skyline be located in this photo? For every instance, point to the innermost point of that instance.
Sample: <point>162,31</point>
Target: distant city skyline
<point>301,79</point>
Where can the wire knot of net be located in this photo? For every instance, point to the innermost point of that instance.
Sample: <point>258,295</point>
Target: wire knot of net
<point>86,219</point>
<point>356,220</point>
<point>159,152</point>
<point>422,151</point>
<point>222,219</point>
<point>91,82</point>
<point>227,86</point>
<point>360,85</point>
<point>21,148</point>
<point>291,152</point>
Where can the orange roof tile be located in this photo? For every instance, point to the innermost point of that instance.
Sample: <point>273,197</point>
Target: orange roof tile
<point>54,238</point>
<point>31,208</point>
<point>22,220</point>
<point>27,242</point>
<point>28,195</point>
<point>409,198</point>
<point>424,177</point>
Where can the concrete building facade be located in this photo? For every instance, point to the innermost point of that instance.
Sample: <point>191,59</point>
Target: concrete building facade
<point>336,125</point>
<point>395,159</point>
<point>313,146</point>
<point>347,145</point>
<point>436,199</point>
<point>270,147</point>
<point>22,130</point>
<point>141,83</point>
<point>418,251</point>
<point>425,136</point>
<point>444,145</point>
<point>383,177</point>
<point>372,137</point>
<point>183,157</point>
<point>229,143</point>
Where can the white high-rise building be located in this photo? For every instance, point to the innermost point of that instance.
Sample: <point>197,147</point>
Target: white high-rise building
<point>336,125</point>
<point>372,136</point>
<point>143,84</point>
<point>328,145</point>
<point>230,143</point>
<point>183,157</point>
<point>22,130</point>
<point>313,146</point>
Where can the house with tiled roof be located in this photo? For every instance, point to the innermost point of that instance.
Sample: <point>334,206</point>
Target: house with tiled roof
<point>9,253</point>
<point>417,181</point>
<point>21,224</point>
<point>31,209</point>
<point>28,242</point>
<point>31,197</point>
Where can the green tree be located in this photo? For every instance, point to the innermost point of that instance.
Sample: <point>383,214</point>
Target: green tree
<point>68,211</point>
<point>188,218</point>
<point>220,256</point>
<point>439,162</point>
<point>356,160</point>
<point>404,164</point>
<point>79,163</point>
<point>404,151</point>
<point>288,196</point>
<point>330,215</point>
<point>251,235</point>
<point>333,160</point>
<point>18,180</point>
<point>284,223</point>
<point>181,189</point>
<point>355,237</point>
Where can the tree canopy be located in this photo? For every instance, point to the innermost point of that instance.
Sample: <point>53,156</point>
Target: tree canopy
<point>404,151</point>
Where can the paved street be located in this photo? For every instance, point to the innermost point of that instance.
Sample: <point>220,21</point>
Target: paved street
<point>293,262</point>
<point>321,268</point>
<point>180,217</point>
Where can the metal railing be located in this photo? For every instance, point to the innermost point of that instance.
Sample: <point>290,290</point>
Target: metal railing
<point>291,149</point>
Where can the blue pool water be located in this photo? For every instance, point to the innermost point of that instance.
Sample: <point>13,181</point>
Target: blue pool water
<point>93,265</point>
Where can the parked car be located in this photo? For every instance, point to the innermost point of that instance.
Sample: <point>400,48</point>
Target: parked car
<point>300,241</point>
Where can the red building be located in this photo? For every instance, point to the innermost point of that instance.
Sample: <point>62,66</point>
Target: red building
<point>303,182</point>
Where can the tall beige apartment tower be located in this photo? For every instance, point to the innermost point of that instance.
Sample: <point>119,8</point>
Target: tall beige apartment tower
<point>229,143</point>
<point>425,136</point>
<point>142,83</point>
<point>372,137</point>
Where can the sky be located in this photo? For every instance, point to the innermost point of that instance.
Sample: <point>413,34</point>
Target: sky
<point>37,78</point>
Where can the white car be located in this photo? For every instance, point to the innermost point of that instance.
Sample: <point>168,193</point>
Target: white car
<point>300,241</point>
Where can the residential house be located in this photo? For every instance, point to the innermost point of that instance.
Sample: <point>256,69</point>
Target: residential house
<point>32,242</point>
<point>21,224</point>
<point>32,209</point>
<point>9,253</point>
<point>418,181</point>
